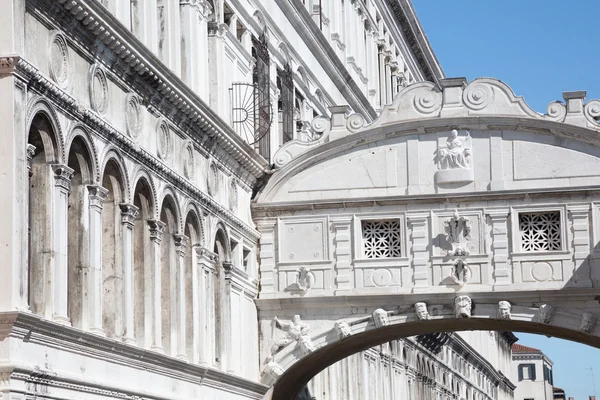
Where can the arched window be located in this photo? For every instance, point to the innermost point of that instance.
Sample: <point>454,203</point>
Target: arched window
<point>168,276</point>
<point>142,263</point>
<point>193,233</point>
<point>78,236</point>
<point>41,153</point>
<point>112,253</point>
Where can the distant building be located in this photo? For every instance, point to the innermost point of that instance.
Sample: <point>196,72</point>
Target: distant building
<point>532,371</point>
<point>559,394</point>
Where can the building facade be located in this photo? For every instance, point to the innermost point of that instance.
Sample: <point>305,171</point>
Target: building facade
<point>135,134</point>
<point>532,374</point>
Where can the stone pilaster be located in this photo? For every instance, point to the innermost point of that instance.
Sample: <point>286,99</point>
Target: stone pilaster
<point>580,217</point>
<point>97,194</point>
<point>342,228</point>
<point>128,214</point>
<point>420,254</point>
<point>268,276</point>
<point>499,220</point>
<point>153,280</point>
<point>62,185</point>
<point>181,244</point>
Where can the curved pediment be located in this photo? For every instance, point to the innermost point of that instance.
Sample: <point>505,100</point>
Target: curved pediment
<point>499,143</point>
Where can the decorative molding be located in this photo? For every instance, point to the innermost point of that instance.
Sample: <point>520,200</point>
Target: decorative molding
<point>164,139</point>
<point>188,160</point>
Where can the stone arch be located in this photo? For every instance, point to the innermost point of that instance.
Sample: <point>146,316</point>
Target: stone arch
<point>526,318</point>
<point>113,179</point>
<point>81,136</point>
<point>192,230</point>
<point>113,155</point>
<point>169,247</point>
<point>41,110</point>
<point>285,52</point>
<point>143,197</point>
<point>221,244</point>
<point>43,149</point>
<point>141,175</point>
<point>83,195</point>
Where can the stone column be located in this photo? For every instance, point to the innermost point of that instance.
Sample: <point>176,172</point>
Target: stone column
<point>499,220</point>
<point>181,243</point>
<point>189,38</point>
<point>268,274</point>
<point>97,194</point>
<point>420,241</point>
<point>225,321</point>
<point>128,214</point>
<point>24,283</point>
<point>197,312</point>
<point>62,186</point>
<point>580,216</point>
<point>153,281</point>
<point>343,256</point>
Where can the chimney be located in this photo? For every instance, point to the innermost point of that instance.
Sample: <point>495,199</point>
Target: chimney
<point>592,397</point>
<point>571,398</point>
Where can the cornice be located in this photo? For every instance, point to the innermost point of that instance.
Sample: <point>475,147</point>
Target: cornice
<point>44,86</point>
<point>48,333</point>
<point>159,86</point>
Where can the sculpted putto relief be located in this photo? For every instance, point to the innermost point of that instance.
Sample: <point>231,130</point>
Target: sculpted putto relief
<point>296,331</point>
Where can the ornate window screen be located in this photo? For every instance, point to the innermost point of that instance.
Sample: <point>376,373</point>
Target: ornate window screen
<point>540,231</point>
<point>381,239</point>
<point>262,101</point>
<point>286,102</point>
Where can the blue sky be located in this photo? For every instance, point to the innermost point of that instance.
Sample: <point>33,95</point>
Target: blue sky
<point>540,49</point>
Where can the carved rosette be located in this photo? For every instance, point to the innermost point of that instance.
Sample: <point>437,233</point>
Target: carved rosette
<point>164,141</point>
<point>58,59</point>
<point>189,162</point>
<point>98,89</point>
<point>133,115</point>
<point>478,95</point>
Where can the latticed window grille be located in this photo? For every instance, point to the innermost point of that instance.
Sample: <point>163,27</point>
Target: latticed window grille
<point>381,239</point>
<point>540,231</point>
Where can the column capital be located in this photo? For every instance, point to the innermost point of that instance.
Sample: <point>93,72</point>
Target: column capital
<point>30,154</point>
<point>62,175</point>
<point>128,213</point>
<point>97,195</point>
<point>181,243</point>
<point>497,213</point>
<point>157,228</point>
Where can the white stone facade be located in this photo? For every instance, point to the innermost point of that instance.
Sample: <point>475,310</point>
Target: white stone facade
<point>532,374</point>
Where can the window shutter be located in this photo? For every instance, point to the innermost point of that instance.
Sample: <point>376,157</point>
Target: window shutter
<point>532,368</point>
<point>520,372</point>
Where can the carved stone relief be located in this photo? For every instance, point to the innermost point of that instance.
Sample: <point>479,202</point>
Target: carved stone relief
<point>454,159</point>
<point>294,330</point>
<point>270,373</point>
<point>421,312</point>
<point>504,309</point>
<point>164,141</point>
<point>98,89</point>
<point>342,328</point>
<point>59,59</point>
<point>305,279</point>
<point>233,195</point>
<point>305,345</point>
<point>213,179</point>
<point>133,115</point>
<point>546,313</point>
<point>588,322</point>
<point>458,234</point>
<point>380,317</point>
<point>462,307</point>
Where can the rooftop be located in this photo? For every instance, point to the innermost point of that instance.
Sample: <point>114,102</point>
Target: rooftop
<point>519,348</point>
